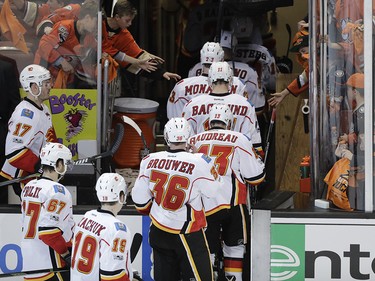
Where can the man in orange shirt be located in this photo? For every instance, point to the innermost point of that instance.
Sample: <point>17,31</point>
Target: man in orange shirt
<point>63,47</point>
<point>301,83</point>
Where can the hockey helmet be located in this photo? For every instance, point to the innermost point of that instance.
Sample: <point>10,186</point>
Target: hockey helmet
<point>242,26</point>
<point>221,112</point>
<point>52,152</point>
<point>177,130</point>
<point>211,52</point>
<point>33,73</point>
<point>220,71</point>
<point>228,40</point>
<point>109,186</point>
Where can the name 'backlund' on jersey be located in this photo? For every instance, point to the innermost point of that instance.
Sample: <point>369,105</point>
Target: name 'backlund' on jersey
<point>204,89</point>
<point>204,109</point>
<point>224,137</point>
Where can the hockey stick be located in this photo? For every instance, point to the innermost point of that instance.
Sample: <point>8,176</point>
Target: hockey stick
<point>134,248</point>
<point>219,21</point>
<point>119,134</point>
<point>136,245</point>
<point>8,182</point>
<point>252,194</point>
<point>12,274</point>
<point>135,126</point>
<point>269,135</point>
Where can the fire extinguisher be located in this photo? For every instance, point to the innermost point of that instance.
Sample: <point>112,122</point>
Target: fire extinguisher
<point>304,183</point>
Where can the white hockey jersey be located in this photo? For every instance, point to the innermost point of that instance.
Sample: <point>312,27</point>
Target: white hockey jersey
<point>248,76</point>
<point>101,248</point>
<point>170,187</point>
<point>29,128</point>
<point>191,87</point>
<point>46,210</point>
<point>258,55</point>
<point>196,112</point>
<point>236,162</point>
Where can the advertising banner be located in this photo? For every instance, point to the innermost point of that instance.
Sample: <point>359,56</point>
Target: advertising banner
<point>323,251</point>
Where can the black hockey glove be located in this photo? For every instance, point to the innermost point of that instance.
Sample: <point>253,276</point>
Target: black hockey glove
<point>67,257</point>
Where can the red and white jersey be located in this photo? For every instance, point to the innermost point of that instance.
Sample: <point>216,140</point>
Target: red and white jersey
<point>101,248</point>
<point>191,87</point>
<point>236,162</point>
<point>196,112</point>
<point>46,213</point>
<point>170,187</point>
<point>247,75</point>
<point>29,128</point>
<point>259,58</point>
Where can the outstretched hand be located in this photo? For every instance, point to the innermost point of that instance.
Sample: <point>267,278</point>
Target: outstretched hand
<point>157,59</point>
<point>147,65</point>
<point>276,98</point>
<point>170,75</point>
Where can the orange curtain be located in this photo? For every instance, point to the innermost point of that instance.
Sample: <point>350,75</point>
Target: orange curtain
<point>11,28</point>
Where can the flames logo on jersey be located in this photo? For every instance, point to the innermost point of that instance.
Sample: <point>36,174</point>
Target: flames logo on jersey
<point>51,135</point>
<point>75,119</point>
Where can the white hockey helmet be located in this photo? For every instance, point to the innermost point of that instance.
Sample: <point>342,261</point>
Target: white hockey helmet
<point>243,27</point>
<point>220,71</point>
<point>52,152</point>
<point>211,52</point>
<point>228,39</point>
<point>34,73</point>
<point>109,186</point>
<point>221,112</point>
<point>177,130</point>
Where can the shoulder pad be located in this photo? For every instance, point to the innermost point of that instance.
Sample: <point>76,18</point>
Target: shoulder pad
<point>120,226</point>
<point>27,113</point>
<point>206,158</point>
<point>59,189</point>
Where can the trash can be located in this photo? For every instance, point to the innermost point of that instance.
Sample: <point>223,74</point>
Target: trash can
<point>143,112</point>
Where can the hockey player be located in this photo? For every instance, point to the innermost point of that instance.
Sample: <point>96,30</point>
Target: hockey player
<point>169,188</point>
<point>241,70</point>
<point>193,86</point>
<point>259,58</point>
<point>30,126</point>
<point>101,247</point>
<point>47,216</point>
<point>238,164</point>
<point>244,72</point>
<point>245,120</point>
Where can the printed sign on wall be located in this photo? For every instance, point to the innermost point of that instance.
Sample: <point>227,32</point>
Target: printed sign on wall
<point>74,114</point>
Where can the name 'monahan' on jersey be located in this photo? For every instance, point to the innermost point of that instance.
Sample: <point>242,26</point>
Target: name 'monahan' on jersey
<point>191,87</point>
